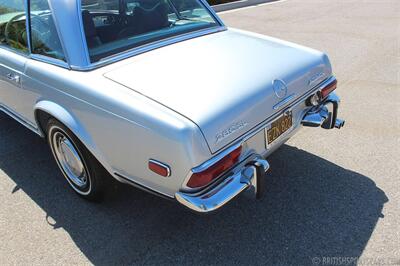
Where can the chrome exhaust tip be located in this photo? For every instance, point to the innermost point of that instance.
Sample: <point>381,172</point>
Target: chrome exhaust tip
<point>339,123</point>
<point>315,119</point>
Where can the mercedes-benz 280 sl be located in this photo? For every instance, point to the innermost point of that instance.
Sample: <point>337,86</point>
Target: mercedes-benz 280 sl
<point>159,94</point>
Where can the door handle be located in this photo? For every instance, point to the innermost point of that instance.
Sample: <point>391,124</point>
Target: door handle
<point>13,77</point>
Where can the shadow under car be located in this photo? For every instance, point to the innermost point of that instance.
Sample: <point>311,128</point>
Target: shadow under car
<point>307,212</point>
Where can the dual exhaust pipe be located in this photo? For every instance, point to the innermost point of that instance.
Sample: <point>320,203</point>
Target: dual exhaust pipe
<point>339,123</point>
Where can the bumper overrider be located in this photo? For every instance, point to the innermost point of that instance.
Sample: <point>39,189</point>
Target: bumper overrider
<point>252,173</point>
<point>324,115</point>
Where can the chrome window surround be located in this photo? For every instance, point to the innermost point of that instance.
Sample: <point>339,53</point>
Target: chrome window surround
<point>147,47</point>
<point>251,133</point>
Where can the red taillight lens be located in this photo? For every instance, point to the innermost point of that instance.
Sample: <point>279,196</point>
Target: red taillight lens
<point>205,177</point>
<point>328,89</point>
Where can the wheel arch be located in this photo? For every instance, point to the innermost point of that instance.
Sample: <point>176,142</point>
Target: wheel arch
<point>45,110</point>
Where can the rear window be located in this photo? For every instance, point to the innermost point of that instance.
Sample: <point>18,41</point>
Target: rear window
<point>111,27</point>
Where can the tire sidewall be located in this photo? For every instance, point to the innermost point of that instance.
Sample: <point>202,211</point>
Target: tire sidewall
<point>52,129</point>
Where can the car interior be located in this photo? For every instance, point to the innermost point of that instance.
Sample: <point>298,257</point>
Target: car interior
<point>45,40</point>
<point>13,31</point>
<point>103,27</point>
<point>110,26</point>
<point>119,25</point>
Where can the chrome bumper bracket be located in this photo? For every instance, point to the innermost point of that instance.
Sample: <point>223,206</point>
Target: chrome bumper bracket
<point>325,115</point>
<point>259,177</point>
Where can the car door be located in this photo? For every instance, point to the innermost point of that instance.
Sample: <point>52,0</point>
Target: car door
<point>21,85</point>
<point>13,54</point>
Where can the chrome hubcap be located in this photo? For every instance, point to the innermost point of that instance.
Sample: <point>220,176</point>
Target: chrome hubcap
<point>69,160</point>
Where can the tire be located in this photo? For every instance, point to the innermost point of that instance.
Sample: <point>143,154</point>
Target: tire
<point>85,175</point>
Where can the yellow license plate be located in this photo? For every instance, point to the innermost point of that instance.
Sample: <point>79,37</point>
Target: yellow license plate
<point>279,126</point>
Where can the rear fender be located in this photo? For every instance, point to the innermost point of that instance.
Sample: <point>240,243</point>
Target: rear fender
<point>72,123</point>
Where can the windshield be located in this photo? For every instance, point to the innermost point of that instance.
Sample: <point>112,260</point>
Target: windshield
<point>114,26</point>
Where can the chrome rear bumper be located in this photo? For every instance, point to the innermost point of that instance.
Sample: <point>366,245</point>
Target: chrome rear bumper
<point>324,115</point>
<point>252,175</point>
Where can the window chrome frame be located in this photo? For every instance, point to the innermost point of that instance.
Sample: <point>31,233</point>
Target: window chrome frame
<point>146,47</point>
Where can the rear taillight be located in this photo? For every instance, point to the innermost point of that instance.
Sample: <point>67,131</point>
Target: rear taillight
<point>328,89</point>
<point>203,178</point>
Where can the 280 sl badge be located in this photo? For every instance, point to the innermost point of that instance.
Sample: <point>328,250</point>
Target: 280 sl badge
<point>229,131</point>
<point>315,78</point>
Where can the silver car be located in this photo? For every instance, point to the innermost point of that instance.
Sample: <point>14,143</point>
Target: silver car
<point>159,94</point>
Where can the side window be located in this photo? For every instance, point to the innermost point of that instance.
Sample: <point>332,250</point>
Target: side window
<point>44,36</point>
<point>13,25</point>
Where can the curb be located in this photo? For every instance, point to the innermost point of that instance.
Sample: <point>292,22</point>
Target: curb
<point>239,4</point>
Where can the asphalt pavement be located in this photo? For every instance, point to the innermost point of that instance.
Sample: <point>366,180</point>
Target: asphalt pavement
<point>331,195</point>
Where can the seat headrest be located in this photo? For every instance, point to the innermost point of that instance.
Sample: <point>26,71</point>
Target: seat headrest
<point>88,24</point>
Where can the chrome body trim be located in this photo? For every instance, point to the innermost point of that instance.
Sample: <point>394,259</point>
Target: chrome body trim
<point>126,180</point>
<point>284,102</point>
<point>12,50</point>
<point>37,57</point>
<point>20,120</point>
<point>215,159</point>
<point>49,60</point>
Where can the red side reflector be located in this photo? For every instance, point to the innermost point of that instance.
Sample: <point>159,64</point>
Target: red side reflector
<point>203,178</point>
<point>159,168</point>
<point>328,89</point>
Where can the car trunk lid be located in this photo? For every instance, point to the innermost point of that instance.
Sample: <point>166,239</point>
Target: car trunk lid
<point>227,83</point>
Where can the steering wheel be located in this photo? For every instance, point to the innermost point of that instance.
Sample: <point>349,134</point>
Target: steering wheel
<point>20,41</point>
